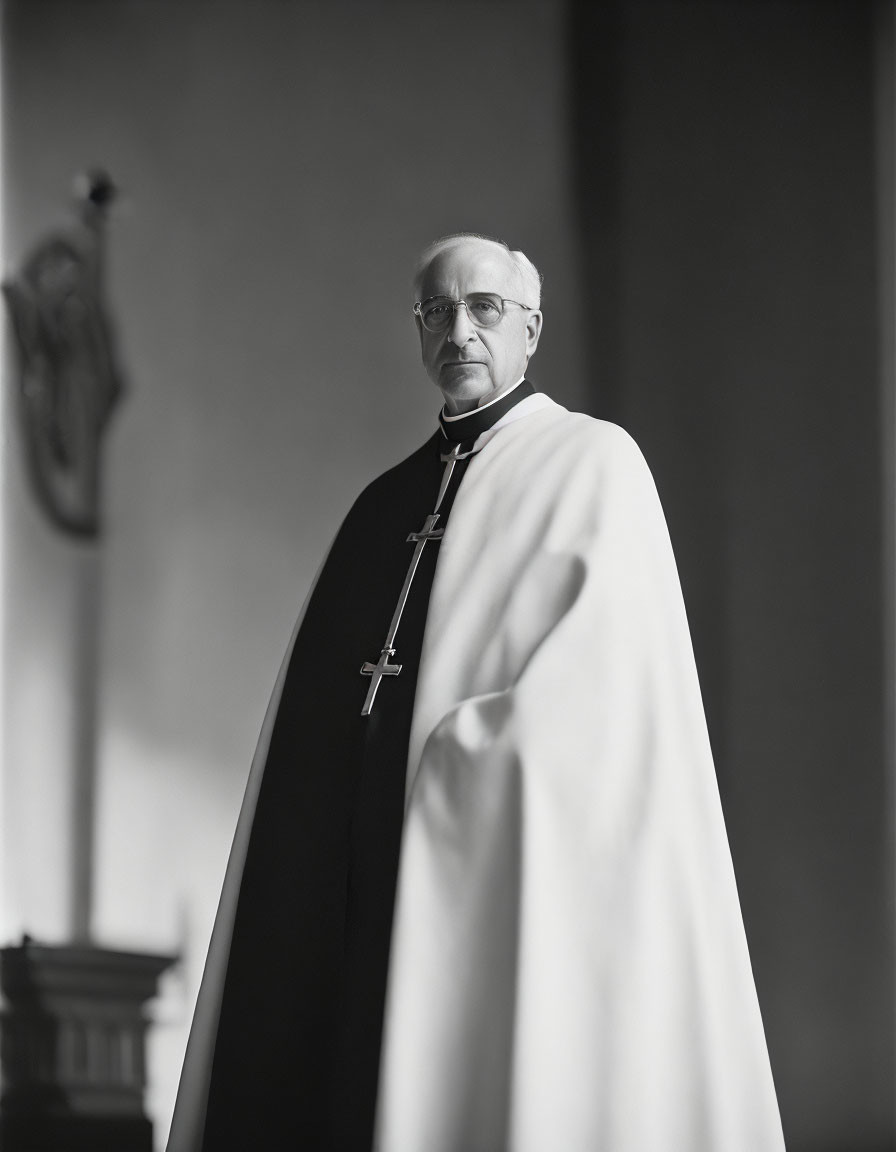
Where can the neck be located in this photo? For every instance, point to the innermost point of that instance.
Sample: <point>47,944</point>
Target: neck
<point>456,407</point>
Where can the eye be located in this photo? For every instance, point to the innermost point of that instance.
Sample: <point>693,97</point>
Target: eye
<point>484,309</point>
<point>435,312</point>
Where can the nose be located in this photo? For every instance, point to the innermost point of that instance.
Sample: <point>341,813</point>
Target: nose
<point>461,330</point>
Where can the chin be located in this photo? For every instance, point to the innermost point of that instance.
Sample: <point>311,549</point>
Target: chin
<point>460,398</point>
<point>468,385</point>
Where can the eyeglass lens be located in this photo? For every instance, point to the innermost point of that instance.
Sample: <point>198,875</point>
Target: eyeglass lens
<point>483,308</point>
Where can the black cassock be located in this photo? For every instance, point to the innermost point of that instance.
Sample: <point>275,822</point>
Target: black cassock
<point>296,1059</point>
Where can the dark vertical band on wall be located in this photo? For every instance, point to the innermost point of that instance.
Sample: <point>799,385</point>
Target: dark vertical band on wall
<point>593,36</point>
<point>646,364</point>
<point>885,150</point>
<point>736,213</point>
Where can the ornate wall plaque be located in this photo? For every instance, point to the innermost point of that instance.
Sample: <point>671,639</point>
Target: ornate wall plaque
<point>69,381</point>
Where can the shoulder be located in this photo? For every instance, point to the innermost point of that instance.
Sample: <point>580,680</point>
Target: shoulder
<point>590,431</point>
<point>591,480</point>
<point>575,442</point>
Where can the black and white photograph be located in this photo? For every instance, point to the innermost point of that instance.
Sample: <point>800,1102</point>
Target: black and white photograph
<point>448,576</point>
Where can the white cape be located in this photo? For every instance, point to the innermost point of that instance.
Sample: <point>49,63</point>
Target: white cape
<point>569,968</point>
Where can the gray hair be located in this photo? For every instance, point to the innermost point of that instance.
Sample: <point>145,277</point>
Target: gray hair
<point>531,277</point>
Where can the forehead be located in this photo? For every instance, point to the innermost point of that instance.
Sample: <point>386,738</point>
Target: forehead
<point>470,266</point>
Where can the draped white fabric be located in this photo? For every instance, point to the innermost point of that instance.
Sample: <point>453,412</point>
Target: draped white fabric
<point>569,968</point>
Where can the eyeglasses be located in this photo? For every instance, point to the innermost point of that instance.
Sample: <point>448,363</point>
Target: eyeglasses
<point>484,309</point>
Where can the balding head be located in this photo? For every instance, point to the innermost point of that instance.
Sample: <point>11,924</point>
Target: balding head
<point>529,277</point>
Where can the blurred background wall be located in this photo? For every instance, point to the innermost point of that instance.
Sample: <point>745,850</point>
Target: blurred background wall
<point>706,187</point>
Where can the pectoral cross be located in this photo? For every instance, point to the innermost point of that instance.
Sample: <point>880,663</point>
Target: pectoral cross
<point>420,539</point>
<point>382,667</point>
<point>428,531</point>
<point>377,672</point>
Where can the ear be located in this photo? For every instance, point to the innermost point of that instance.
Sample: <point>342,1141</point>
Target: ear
<point>533,331</point>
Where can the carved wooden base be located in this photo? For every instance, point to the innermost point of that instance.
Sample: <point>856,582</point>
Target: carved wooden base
<point>72,1048</point>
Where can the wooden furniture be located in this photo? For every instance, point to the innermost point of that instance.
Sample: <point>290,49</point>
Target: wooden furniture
<point>72,1048</point>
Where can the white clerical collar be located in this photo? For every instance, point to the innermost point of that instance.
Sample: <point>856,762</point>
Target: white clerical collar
<point>480,407</point>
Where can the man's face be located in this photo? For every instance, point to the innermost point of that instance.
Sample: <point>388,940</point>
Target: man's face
<point>470,364</point>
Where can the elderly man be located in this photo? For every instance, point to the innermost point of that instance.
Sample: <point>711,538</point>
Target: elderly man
<point>494,675</point>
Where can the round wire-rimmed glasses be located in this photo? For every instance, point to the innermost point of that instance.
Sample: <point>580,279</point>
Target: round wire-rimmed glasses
<point>485,310</point>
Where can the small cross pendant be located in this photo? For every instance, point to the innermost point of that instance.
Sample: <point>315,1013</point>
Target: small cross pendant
<point>428,531</point>
<point>377,672</point>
